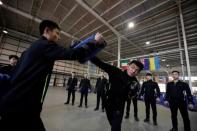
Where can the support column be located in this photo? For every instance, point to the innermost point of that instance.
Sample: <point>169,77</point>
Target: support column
<point>1,43</point>
<point>185,45</point>
<point>180,48</point>
<point>88,69</point>
<point>119,47</point>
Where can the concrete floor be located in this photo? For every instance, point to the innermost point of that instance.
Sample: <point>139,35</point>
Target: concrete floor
<point>59,117</point>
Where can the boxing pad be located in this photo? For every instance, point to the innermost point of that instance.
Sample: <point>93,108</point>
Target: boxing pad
<point>91,45</point>
<point>74,43</point>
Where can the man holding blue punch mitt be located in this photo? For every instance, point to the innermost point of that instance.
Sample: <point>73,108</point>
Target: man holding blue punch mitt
<point>21,106</point>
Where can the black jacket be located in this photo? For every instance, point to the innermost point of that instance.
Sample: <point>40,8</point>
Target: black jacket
<point>179,92</point>
<point>150,90</point>
<point>31,76</point>
<point>4,84</point>
<point>72,83</point>
<point>135,90</point>
<point>101,85</point>
<point>7,69</point>
<point>84,85</point>
<point>119,81</point>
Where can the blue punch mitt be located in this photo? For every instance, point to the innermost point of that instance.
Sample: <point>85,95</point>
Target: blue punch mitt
<point>91,45</point>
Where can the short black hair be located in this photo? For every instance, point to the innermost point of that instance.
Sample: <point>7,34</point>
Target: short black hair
<point>176,71</point>
<point>149,74</point>
<point>47,23</point>
<point>13,56</point>
<point>137,63</point>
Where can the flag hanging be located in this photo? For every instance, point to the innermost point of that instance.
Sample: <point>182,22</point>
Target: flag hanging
<point>146,64</point>
<point>152,63</point>
<point>157,63</point>
<point>124,64</point>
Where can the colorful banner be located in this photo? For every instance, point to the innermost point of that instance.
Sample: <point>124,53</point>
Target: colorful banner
<point>124,64</point>
<point>152,63</point>
<point>146,64</point>
<point>157,63</point>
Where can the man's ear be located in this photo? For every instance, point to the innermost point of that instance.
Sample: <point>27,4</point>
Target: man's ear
<point>46,30</point>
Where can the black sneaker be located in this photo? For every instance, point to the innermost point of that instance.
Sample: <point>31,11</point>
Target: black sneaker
<point>126,117</point>
<point>173,129</point>
<point>66,103</point>
<point>96,109</point>
<point>86,106</point>
<point>146,120</point>
<point>80,106</point>
<point>136,118</point>
<point>155,123</point>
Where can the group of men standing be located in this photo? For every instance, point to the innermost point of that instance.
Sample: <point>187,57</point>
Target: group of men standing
<point>150,92</point>
<point>178,96</point>
<point>101,88</point>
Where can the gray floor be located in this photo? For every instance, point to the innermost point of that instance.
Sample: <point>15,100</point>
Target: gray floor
<point>59,117</point>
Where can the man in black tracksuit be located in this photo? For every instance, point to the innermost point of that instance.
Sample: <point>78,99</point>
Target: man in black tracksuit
<point>20,108</point>
<point>7,70</point>
<point>71,87</point>
<point>120,87</point>
<point>134,100</point>
<point>84,87</point>
<point>178,96</point>
<point>101,89</point>
<point>151,92</point>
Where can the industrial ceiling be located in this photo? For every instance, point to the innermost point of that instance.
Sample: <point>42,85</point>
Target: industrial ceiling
<point>155,21</point>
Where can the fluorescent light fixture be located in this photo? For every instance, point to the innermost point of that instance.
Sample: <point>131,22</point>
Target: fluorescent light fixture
<point>167,65</point>
<point>4,31</point>
<point>1,3</point>
<point>163,60</point>
<point>131,25</point>
<point>148,42</point>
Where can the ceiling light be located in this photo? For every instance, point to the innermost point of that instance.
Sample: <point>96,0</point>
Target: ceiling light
<point>163,60</point>
<point>131,25</point>
<point>1,3</point>
<point>167,65</point>
<point>4,31</point>
<point>148,42</point>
